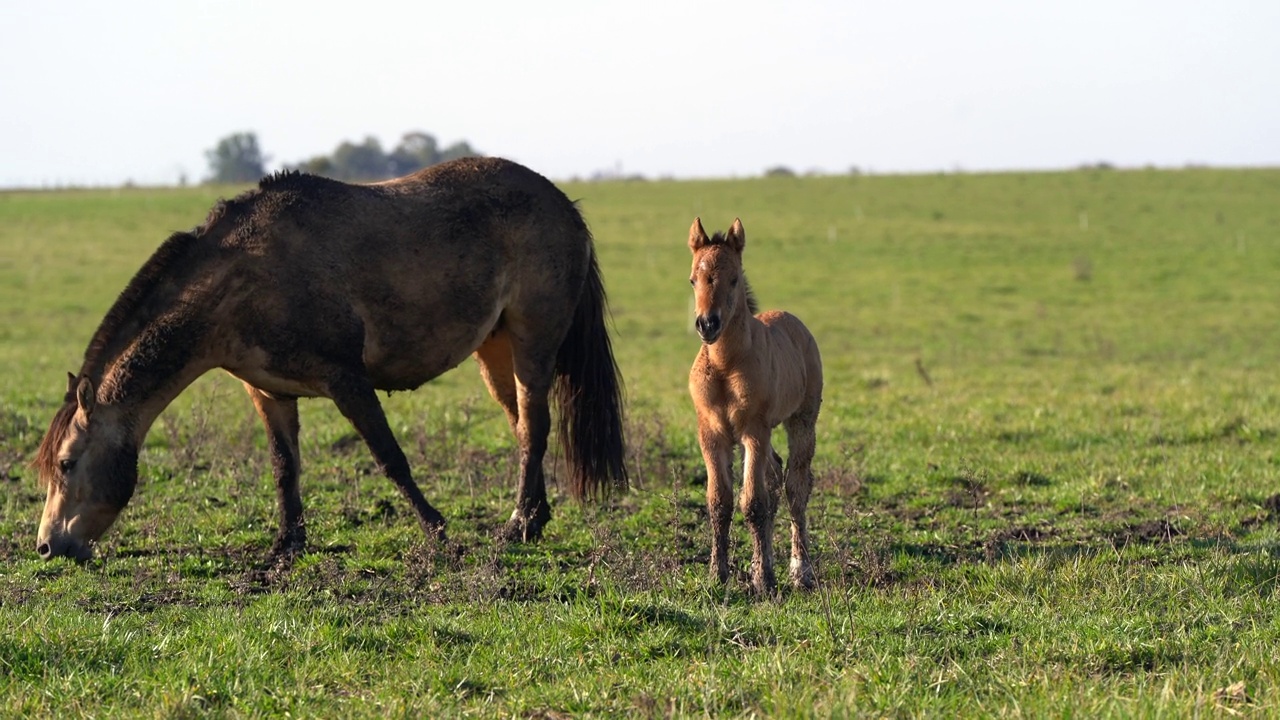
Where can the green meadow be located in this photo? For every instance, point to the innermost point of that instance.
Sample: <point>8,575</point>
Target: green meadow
<point>1048,478</point>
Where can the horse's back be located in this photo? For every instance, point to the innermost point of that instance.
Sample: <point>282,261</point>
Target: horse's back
<point>412,273</point>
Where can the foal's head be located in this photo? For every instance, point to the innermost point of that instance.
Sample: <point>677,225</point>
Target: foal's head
<point>89,466</point>
<point>720,289</point>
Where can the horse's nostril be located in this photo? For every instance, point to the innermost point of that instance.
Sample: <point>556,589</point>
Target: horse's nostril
<point>44,550</point>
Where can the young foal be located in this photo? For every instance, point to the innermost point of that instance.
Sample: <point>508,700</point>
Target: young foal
<point>752,374</point>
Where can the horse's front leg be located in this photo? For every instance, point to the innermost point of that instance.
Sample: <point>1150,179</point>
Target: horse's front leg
<point>355,398</point>
<point>717,453</point>
<point>280,418</point>
<point>759,506</point>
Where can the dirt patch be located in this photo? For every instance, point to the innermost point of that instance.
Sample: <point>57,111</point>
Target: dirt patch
<point>1147,532</point>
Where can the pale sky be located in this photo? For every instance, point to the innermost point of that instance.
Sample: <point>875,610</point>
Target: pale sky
<point>99,93</point>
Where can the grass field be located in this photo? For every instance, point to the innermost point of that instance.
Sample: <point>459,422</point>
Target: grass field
<point>1048,467</point>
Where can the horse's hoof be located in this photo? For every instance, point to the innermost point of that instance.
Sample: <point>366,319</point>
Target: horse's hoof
<point>802,575</point>
<point>287,546</point>
<point>519,531</point>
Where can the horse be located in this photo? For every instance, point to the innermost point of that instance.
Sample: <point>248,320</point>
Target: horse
<point>753,372</point>
<point>309,287</point>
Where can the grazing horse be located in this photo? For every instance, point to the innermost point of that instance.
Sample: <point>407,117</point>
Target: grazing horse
<point>753,373</point>
<point>309,287</point>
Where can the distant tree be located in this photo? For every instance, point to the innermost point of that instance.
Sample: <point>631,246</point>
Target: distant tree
<point>367,160</point>
<point>236,159</point>
<point>415,151</point>
<point>780,171</point>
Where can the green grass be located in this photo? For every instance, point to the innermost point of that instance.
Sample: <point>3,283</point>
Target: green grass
<point>1048,464</point>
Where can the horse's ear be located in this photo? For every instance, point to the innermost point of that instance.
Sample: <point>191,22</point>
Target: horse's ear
<point>86,398</point>
<point>697,236</point>
<point>737,236</point>
<point>71,386</point>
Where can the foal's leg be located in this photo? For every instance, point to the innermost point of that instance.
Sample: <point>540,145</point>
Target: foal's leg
<point>801,441</point>
<point>717,453</point>
<point>280,417</point>
<point>355,398</point>
<point>759,506</point>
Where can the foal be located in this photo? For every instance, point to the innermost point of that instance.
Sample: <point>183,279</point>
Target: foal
<point>752,374</point>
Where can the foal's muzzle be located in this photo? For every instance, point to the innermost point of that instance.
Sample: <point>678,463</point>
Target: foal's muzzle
<point>708,327</point>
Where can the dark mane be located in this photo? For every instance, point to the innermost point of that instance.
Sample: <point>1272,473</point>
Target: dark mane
<point>172,252</point>
<point>753,305</point>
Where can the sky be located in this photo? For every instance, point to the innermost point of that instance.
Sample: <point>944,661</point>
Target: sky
<point>102,93</point>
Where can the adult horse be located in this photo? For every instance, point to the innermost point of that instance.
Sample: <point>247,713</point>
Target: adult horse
<point>753,373</point>
<point>309,287</point>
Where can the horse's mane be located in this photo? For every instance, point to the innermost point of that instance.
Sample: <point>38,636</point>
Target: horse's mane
<point>753,305</point>
<point>171,252</point>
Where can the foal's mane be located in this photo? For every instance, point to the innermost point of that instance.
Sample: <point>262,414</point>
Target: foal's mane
<point>753,306</point>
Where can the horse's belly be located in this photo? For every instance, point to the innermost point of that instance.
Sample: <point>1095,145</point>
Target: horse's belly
<point>404,363</point>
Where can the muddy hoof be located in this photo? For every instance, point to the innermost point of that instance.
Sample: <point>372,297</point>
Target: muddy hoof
<point>527,527</point>
<point>288,545</point>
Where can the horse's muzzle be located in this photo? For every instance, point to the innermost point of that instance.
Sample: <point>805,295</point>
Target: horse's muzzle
<point>708,327</point>
<point>64,547</point>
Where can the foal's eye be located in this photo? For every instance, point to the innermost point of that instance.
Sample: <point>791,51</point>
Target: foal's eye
<point>66,465</point>
<point>733,282</point>
<point>692,281</point>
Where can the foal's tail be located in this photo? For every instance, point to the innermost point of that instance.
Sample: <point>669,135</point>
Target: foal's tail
<point>589,390</point>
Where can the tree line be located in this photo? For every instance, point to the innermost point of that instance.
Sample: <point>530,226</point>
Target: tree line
<point>238,158</point>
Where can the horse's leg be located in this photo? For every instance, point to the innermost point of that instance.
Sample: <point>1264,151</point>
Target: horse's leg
<point>280,417</point>
<point>801,441</point>
<point>759,506</point>
<point>533,360</point>
<point>354,395</point>
<point>717,453</point>
<point>498,371</point>
<point>497,367</point>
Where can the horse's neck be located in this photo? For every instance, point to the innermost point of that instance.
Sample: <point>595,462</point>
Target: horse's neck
<point>162,356</point>
<point>737,340</point>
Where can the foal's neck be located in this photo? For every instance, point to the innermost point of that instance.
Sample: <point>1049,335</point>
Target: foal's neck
<point>736,340</point>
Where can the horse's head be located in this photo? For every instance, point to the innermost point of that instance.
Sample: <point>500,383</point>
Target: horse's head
<point>719,287</point>
<point>89,465</point>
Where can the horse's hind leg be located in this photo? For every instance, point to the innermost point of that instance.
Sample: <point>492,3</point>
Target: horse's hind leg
<point>498,370</point>
<point>355,398</point>
<point>802,442</point>
<point>532,511</point>
<point>280,417</point>
<point>497,366</point>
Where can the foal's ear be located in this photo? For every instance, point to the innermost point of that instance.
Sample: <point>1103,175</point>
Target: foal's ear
<point>85,396</point>
<point>697,236</point>
<point>71,386</point>
<point>737,236</point>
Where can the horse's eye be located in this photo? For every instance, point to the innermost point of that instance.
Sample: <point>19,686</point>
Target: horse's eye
<point>66,465</point>
<point>733,282</point>
<point>692,281</point>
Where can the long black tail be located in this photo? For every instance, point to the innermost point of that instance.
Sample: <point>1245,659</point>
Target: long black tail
<point>589,390</point>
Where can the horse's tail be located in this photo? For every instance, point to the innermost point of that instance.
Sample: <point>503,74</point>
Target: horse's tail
<point>589,390</point>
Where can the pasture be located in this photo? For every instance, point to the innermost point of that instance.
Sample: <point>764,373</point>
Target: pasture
<point>1048,478</point>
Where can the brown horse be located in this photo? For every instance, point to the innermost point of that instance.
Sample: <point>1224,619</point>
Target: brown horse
<point>308,287</point>
<point>753,373</point>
